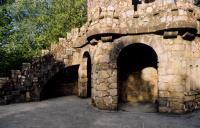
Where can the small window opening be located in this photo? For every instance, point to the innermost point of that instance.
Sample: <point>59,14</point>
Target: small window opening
<point>135,4</point>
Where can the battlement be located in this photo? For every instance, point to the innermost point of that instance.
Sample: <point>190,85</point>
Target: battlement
<point>141,7</point>
<point>135,16</point>
<point>135,6</point>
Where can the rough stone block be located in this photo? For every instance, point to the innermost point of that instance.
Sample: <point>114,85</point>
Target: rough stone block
<point>177,106</point>
<point>112,92</point>
<point>101,93</point>
<point>103,75</point>
<point>113,85</point>
<point>102,87</point>
<point>164,94</point>
<point>164,109</point>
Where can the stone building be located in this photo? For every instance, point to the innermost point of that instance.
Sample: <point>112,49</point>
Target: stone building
<point>141,51</point>
<point>130,51</point>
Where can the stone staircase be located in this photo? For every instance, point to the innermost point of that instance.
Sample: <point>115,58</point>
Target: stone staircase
<point>26,84</point>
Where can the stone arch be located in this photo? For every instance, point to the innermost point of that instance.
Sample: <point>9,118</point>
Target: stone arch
<point>84,76</point>
<point>137,75</point>
<point>123,42</point>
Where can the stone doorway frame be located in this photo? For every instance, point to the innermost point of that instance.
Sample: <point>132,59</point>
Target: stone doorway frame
<point>153,64</point>
<point>84,76</point>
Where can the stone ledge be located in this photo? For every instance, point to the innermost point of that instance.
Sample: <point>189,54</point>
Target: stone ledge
<point>191,93</point>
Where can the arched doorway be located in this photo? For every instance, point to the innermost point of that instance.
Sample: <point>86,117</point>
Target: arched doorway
<point>137,74</point>
<point>84,82</point>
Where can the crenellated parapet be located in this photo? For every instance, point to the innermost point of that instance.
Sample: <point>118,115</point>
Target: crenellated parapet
<point>119,18</point>
<point>125,17</point>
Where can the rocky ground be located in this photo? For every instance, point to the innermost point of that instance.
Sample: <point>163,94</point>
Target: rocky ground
<point>72,112</point>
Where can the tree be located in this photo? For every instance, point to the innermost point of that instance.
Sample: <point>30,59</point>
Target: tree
<point>27,26</point>
<point>197,2</point>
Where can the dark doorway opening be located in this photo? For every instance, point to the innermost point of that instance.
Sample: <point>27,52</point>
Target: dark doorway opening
<point>64,83</point>
<point>86,56</point>
<point>137,74</point>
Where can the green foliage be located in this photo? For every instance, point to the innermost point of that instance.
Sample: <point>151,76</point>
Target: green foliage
<point>26,26</point>
<point>197,2</point>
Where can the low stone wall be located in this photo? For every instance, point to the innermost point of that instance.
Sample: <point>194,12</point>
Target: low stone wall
<point>4,82</point>
<point>26,84</point>
<point>192,100</point>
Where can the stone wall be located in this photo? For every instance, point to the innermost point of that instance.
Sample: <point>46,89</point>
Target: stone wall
<point>119,16</point>
<point>192,101</point>
<point>170,28</point>
<point>26,84</point>
<point>172,58</point>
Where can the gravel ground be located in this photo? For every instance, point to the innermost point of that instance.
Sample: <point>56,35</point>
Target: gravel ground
<point>73,112</point>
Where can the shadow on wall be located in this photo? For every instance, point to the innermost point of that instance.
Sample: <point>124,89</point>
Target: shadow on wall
<point>45,77</point>
<point>64,83</point>
<point>85,72</point>
<point>191,80</point>
<point>137,74</point>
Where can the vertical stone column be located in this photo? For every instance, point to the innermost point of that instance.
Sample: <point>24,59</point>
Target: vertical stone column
<point>104,79</point>
<point>172,78</point>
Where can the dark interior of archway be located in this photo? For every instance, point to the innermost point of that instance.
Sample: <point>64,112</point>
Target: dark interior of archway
<point>131,61</point>
<point>64,83</point>
<point>89,73</point>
